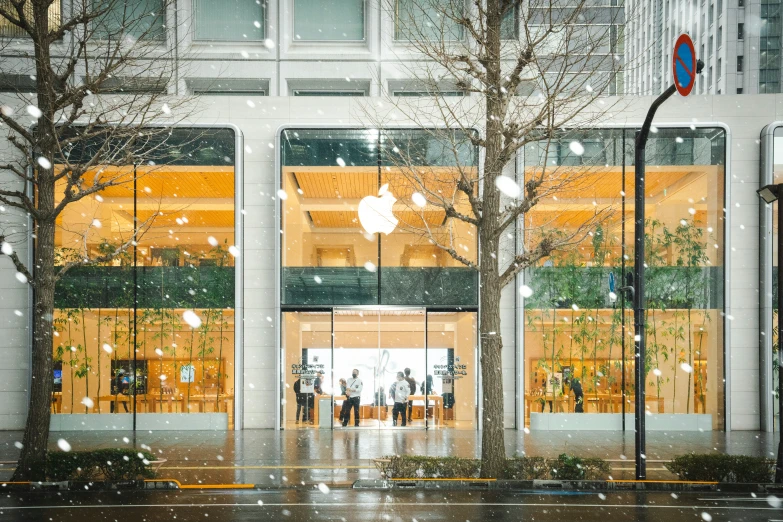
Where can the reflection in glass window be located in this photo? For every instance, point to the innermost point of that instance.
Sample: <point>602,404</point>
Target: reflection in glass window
<point>137,19</point>
<point>9,30</point>
<point>428,20</point>
<point>229,20</point>
<point>179,279</point>
<point>329,20</point>
<point>574,328</point>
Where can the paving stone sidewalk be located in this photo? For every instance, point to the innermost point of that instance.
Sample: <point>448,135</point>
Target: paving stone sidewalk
<point>284,458</point>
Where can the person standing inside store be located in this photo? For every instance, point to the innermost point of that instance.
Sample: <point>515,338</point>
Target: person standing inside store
<point>353,391</point>
<point>579,396</point>
<point>301,402</point>
<point>400,391</point>
<point>344,407</point>
<point>411,390</point>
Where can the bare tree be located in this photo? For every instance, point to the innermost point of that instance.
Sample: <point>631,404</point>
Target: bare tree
<point>101,70</point>
<point>497,76</point>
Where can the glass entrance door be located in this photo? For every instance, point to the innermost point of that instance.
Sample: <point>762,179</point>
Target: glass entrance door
<point>430,356</point>
<point>386,349</point>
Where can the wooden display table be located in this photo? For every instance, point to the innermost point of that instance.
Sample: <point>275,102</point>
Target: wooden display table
<point>437,400</point>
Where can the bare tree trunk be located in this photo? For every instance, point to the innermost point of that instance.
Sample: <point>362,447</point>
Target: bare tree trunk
<point>493,452</point>
<point>32,462</point>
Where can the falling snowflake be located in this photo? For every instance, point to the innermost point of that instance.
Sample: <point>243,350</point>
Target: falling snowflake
<point>34,111</point>
<point>63,445</point>
<point>507,186</point>
<point>6,248</point>
<point>191,318</point>
<point>525,291</point>
<point>419,200</point>
<point>577,148</point>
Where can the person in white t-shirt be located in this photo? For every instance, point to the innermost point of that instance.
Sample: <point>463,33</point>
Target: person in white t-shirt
<point>400,391</point>
<point>353,390</point>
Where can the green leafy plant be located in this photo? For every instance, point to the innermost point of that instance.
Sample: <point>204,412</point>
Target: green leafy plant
<point>564,467</point>
<point>568,467</point>
<point>723,468</point>
<point>103,464</point>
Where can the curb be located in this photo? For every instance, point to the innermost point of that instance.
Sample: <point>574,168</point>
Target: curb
<point>563,485</point>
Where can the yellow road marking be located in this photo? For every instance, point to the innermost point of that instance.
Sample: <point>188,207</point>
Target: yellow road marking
<point>267,467</point>
<point>664,481</point>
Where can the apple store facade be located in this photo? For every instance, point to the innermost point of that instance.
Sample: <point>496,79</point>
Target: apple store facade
<point>305,231</point>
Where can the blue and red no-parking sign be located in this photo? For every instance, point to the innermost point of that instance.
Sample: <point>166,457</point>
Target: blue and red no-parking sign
<point>684,65</point>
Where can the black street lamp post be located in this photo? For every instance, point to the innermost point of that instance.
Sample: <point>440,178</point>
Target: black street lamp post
<point>770,194</point>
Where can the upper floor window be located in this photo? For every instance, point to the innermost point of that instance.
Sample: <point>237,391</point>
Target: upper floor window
<point>139,19</point>
<point>509,26</point>
<point>9,30</point>
<point>427,20</point>
<point>329,20</point>
<point>229,20</point>
<point>740,31</point>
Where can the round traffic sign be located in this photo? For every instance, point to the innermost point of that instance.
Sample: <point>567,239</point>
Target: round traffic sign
<point>684,65</point>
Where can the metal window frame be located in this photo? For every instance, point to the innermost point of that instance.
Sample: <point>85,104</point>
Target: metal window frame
<point>766,177</point>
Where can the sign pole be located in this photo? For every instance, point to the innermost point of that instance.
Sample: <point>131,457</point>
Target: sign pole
<point>685,67</point>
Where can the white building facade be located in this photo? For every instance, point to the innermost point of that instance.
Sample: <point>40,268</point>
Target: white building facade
<point>281,100</point>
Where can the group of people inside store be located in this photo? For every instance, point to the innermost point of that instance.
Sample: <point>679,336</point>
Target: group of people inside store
<point>399,392</point>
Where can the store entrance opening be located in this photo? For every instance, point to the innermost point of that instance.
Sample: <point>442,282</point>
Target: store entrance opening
<point>379,368</point>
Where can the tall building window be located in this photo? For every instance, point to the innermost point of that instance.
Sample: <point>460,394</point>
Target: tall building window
<point>720,36</point>
<point>229,20</point>
<point>740,31</point>
<point>509,26</point>
<point>709,47</point>
<point>139,19</point>
<point>720,67</point>
<point>769,47</point>
<point>427,20</point>
<point>329,20</point>
<point>9,30</point>
<point>711,12</point>
<point>740,63</point>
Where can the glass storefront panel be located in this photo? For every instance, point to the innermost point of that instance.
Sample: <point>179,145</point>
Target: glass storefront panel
<point>574,327</point>
<point>329,259</point>
<point>152,328</point>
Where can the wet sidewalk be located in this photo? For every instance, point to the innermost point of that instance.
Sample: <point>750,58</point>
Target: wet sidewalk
<point>285,458</point>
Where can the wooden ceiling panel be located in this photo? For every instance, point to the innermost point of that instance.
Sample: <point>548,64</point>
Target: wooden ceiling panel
<point>337,183</point>
<point>168,181</point>
<point>201,219</point>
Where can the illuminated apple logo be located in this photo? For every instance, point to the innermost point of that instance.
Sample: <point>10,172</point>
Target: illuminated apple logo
<point>375,213</point>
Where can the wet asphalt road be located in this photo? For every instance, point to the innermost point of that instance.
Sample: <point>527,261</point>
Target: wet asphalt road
<point>352,505</point>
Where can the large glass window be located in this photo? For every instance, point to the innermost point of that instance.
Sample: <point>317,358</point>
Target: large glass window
<point>329,259</point>
<point>575,329</point>
<point>151,330</point>
<point>329,20</point>
<point>229,20</point>
<point>130,18</point>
